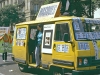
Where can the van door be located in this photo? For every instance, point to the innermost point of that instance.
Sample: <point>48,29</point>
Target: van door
<point>62,51</point>
<point>20,43</point>
<point>47,44</point>
<point>48,36</point>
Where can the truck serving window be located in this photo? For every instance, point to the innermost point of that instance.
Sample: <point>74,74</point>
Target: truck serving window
<point>21,33</point>
<point>60,30</point>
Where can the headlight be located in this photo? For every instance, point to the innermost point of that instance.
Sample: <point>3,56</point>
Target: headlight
<point>85,61</point>
<point>80,61</point>
<point>83,46</point>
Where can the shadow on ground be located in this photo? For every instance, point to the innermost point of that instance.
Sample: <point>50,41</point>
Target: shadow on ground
<point>7,63</point>
<point>37,71</point>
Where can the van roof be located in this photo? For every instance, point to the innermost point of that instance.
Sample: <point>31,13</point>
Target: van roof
<point>62,18</point>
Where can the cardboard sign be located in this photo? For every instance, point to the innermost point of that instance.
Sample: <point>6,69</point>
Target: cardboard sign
<point>49,11</point>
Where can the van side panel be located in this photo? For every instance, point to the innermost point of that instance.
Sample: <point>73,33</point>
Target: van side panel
<point>20,43</point>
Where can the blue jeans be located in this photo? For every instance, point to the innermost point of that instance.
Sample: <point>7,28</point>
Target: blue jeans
<point>37,54</point>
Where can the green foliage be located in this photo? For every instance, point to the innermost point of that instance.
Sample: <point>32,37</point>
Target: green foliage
<point>50,1</point>
<point>10,14</point>
<point>80,7</point>
<point>96,3</point>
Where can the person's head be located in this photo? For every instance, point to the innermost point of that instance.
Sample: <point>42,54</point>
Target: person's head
<point>39,27</point>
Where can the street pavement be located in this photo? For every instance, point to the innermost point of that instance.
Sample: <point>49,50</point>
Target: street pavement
<point>11,68</point>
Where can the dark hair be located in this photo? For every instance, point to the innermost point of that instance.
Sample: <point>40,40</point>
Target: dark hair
<point>40,25</point>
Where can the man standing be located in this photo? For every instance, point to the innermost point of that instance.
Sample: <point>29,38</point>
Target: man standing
<point>38,46</point>
<point>4,54</point>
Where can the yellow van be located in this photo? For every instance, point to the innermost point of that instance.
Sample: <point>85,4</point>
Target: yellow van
<point>73,47</point>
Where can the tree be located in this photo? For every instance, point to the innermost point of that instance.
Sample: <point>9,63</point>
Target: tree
<point>79,7</point>
<point>11,14</point>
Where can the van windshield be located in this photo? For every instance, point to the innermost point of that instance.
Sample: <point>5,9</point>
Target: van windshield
<point>87,30</point>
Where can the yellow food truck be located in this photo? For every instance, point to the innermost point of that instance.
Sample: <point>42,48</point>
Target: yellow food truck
<point>73,47</point>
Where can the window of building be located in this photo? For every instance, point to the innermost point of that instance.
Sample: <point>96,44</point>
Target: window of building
<point>15,2</point>
<point>11,1</point>
<point>0,5</point>
<point>36,8</point>
<point>60,30</point>
<point>7,1</point>
<point>4,3</point>
<point>27,4</point>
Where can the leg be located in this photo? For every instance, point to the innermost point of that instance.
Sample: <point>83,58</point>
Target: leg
<point>5,55</point>
<point>37,58</point>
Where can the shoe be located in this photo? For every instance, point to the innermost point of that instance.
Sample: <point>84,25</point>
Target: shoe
<point>38,66</point>
<point>3,60</point>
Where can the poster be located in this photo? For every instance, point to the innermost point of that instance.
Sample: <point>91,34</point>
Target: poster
<point>47,38</point>
<point>81,35</point>
<point>86,45</point>
<point>89,35</point>
<point>62,48</point>
<point>76,26</point>
<point>96,50</point>
<point>98,35</point>
<point>21,33</point>
<point>33,33</point>
<point>81,46</point>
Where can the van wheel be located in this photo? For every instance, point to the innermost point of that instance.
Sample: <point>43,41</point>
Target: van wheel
<point>57,73</point>
<point>23,68</point>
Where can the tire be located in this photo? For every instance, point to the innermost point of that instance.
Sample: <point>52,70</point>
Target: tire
<point>57,73</point>
<point>12,58</point>
<point>23,68</point>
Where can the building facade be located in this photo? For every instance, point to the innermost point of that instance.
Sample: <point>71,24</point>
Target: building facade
<point>30,7</point>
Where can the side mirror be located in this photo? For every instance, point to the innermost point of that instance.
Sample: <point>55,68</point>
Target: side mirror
<point>66,37</point>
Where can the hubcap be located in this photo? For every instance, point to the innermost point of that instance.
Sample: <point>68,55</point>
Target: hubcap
<point>56,73</point>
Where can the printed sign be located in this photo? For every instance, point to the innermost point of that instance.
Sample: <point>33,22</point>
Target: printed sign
<point>48,11</point>
<point>21,33</point>
<point>76,26</point>
<point>96,50</point>
<point>62,48</point>
<point>48,36</point>
<point>33,33</point>
<point>92,21</point>
<point>87,35</point>
<point>80,35</point>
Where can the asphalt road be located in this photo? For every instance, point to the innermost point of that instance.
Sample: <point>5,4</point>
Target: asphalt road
<point>11,68</point>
